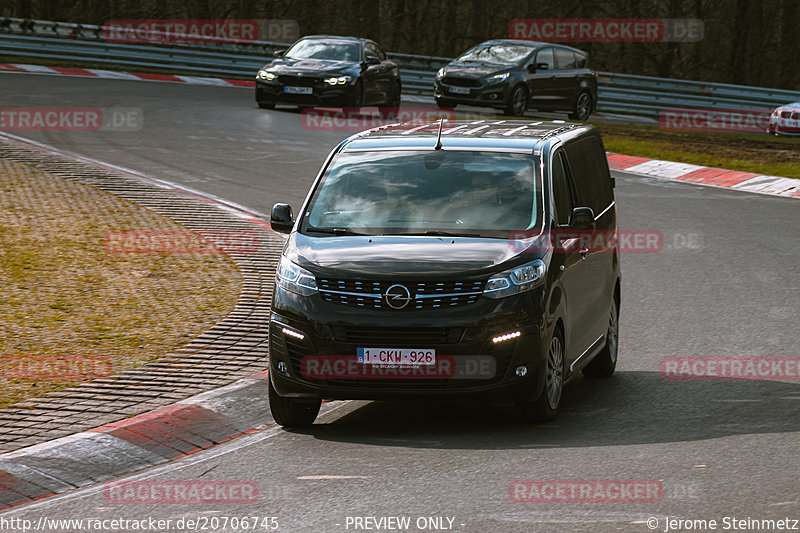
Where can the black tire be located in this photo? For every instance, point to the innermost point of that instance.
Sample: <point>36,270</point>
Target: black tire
<point>292,412</point>
<point>604,363</point>
<point>518,102</point>
<point>583,107</point>
<point>445,104</point>
<point>545,407</point>
<point>356,99</point>
<point>392,106</point>
<point>266,106</point>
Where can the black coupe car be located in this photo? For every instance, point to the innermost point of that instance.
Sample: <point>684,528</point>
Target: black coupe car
<point>329,71</point>
<point>518,75</point>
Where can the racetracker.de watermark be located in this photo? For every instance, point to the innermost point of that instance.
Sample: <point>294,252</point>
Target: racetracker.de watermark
<point>71,119</point>
<point>193,31</point>
<point>729,120</point>
<point>55,367</point>
<point>351,119</point>
<point>443,367</point>
<point>585,490</point>
<point>181,242</point>
<point>730,368</point>
<point>569,240</point>
<point>181,492</point>
<point>607,30</point>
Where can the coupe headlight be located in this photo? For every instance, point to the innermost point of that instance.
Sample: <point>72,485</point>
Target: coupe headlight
<point>520,279</point>
<point>440,74</point>
<point>498,77</point>
<point>265,75</point>
<point>295,278</point>
<point>338,80</point>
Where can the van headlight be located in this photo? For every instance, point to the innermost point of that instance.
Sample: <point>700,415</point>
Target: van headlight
<point>440,74</point>
<point>498,77</point>
<point>295,278</point>
<point>520,279</point>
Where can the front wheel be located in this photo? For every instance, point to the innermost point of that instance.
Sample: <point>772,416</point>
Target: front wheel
<point>292,412</point>
<point>582,107</point>
<point>518,102</point>
<point>356,98</point>
<point>545,407</point>
<point>392,106</point>
<point>604,364</point>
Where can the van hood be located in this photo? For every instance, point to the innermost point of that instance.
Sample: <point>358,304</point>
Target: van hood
<point>375,257</point>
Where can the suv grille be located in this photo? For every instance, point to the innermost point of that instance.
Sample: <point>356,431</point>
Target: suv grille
<point>461,82</point>
<point>425,295</point>
<point>366,336</point>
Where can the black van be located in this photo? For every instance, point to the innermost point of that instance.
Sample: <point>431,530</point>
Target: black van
<point>518,75</point>
<point>460,259</point>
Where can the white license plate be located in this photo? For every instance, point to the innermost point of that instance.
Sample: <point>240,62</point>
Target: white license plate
<point>459,90</point>
<point>298,90</point>
<point>396,356</point>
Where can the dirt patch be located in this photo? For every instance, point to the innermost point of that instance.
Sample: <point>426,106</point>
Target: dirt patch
<point>70,309</point>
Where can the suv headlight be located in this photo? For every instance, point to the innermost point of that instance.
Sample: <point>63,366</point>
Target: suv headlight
<point>266,75</point>
<point>440,74</point>
<point>295,278</point>
<point>340,80</point>
<point>498,77</point>
<point>520,279</point>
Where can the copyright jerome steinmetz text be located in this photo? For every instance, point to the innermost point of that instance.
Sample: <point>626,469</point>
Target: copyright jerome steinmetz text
<point>726,523</point>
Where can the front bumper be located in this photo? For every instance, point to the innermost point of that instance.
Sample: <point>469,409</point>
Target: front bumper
<point>486,96</point>
<point>331,330</point>
<point>322,95</point>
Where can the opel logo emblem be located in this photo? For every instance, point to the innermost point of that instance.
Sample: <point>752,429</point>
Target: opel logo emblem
<point>397,296</point>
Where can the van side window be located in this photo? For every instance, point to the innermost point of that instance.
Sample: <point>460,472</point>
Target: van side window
<point>590,174</point>
<point>562,192</point>
<point>546,56</point>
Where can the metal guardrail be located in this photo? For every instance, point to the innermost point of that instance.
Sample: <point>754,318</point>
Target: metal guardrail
<point>84,44</point>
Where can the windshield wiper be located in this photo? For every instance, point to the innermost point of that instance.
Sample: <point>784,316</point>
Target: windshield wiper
<point>439,233</point>
<point>334,231</point>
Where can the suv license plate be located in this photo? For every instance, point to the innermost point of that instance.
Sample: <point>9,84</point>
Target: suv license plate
<point>297,90</point>
<point>459,90</point>
<point>396,356</point>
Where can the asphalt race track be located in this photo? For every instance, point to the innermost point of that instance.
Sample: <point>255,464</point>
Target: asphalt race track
<point>724,284</point>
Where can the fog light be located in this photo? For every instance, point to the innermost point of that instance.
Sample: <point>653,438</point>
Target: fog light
<point>492,97</point>
<point>521,371</point>
<point>293,333</point>
<point>283,367</point>
<point>507,336</point>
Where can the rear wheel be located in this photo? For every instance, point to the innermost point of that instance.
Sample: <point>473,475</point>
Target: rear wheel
<point>518,102</point>
<point>582,107</point>
<point>292,412</point>
<point>545,407</point>
<point>604,364</point>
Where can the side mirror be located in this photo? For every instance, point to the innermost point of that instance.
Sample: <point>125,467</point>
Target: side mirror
<point>532,68</point>
<point>281,218</point>
<point>279,53</point>
<point>582,218</point>
<point>372,60</point>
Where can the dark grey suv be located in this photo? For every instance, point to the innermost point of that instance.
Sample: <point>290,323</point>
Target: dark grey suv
<point>469,259</point>
<point>518,75</point>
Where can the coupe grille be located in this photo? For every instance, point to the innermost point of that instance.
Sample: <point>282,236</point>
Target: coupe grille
<point>424,295</point>
<point>299,81</point>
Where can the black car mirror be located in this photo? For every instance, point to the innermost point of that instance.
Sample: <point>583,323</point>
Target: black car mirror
<point>281,218</point>
<point>372,60</point>
<point>582,218</point>
<point>532,68</point>
<point>279,53</point>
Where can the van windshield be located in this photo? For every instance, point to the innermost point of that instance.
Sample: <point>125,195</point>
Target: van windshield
<point>481,194</point>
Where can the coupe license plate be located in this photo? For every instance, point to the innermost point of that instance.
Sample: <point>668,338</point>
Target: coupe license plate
<point>297,90</point>
<point>459,90</point>
<point>396,356</point>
